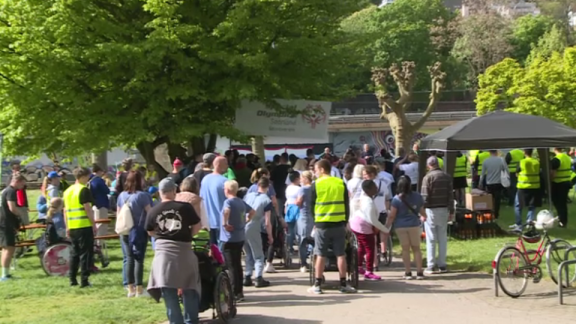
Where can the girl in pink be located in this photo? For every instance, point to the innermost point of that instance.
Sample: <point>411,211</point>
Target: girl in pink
<point>363,221</point>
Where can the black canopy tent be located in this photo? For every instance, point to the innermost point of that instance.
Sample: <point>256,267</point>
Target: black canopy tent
<point>498,130</point>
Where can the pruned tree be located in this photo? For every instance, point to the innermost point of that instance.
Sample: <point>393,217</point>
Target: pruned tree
<point>394,110</point>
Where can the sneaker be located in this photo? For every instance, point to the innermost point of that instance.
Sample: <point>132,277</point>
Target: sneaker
<point>304,269</point>
<point>85,284</point>
<point>142,294</point>
<point>6,278</point>
<point>372,277</point>
<point>515,228</point>
<point>131,294</point>
<point>269,268</point>
<point>429,271</point>
<point>361,271</point>
<point>347,289</point>
<point>408,276</point>
<point>383,256</point>
<point>261,283</point>
<point>239,297</point>
<point>247,281</point>
<point>442,270</point>
<point>419,276</point>
<point>73,283</point>
<point>315,290</point>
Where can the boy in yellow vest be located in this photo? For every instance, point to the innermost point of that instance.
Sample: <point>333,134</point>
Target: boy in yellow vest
<point>80,226</point>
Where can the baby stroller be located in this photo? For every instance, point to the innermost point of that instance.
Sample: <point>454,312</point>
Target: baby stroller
<point>216,287</point>
<point>281,249</point>
<point>331,264</point>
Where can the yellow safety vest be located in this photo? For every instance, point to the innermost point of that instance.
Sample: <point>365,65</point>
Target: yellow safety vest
<point>76,216</point>
<point>473,155</point>
<point>529,176</point>
<point>152,175</point>
<point>440,163</point>
<point>329,206</point>
<point>563,172</point>
<point>517,156</point>
<point>460,169</point>
<point>481,158</point>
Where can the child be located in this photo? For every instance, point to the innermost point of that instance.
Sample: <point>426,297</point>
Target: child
<point>362,222</point>
<point>232,234</point>
<point>55,219</point>
<point>292,211</point>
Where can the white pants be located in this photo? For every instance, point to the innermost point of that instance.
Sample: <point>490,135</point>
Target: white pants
<point>101,213</point>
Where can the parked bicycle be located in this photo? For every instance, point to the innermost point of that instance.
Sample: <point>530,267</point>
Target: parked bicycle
<point>519,264</point>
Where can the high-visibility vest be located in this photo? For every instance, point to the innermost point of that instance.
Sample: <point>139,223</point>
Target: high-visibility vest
<point>329,206</point>
<point>440,163</point>
<point>517,156</point>
<point>563,172</point>
<point>76,216</point>
<point>481,158</point>
<point>529,176</point>
<point>572,176</point>
<point>473,155</point>
<point>460,169</point>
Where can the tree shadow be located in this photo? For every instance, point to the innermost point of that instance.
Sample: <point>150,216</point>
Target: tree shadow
<point>459,275</point>
<point>330,297</point>
<point>263,319</point>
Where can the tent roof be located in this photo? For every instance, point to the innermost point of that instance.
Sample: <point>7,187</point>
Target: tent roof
<point>501,130</point>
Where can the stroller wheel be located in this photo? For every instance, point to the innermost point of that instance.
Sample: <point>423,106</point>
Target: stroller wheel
<point>224,298</point>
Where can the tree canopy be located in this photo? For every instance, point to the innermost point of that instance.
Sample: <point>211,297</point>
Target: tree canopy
<point>546,87</point>
<point>79,76</point>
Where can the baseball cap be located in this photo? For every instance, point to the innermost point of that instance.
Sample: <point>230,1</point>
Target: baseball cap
<point>178,162</point>
<point>167,185</point>
<point>152,190</point>
<point>53,174</point>
<point>432,161</point>
<point>209,158</point>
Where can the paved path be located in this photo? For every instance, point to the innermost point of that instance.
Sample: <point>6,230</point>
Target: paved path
<point>443,299</point>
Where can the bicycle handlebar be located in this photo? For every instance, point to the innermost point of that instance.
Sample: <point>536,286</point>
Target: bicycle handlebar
<point>532,223</point>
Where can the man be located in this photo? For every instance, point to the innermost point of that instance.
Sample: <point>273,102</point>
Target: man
<point>512,159</point>
<point>439,203</point>
<point>440,160</point>
<point>176,175</point>
<point>208,160</point>
<point>194,163</point>
<point>331,211</point>
<point>311,158</point>
<point>80,227</point>
<point>528,188</point>
<point>490,179</point>
<point>127,165</point>
<point>99,191</point>
<point>9,222</point>
<point>334,172</point>
<point>560,172</point>
<point>175,265</point>
<point>212,191</point>
<point>21,195</point>
<point>278,177</point>
<point>477,167</point>
<point>459,182</point>
<point>367,153</point>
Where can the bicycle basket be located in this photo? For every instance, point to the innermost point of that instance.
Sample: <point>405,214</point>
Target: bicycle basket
<point>531,236</point>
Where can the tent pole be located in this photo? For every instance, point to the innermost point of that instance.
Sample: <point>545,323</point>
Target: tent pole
<point>544,155</point>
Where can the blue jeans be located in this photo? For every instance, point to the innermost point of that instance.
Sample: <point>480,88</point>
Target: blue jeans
<point>304,250</point>
<point>153,241</point>
<point>436,227</point>
<point>124,262</point>
<point>291,235</point>
<point>191,302</point>
<point>518,211</point>
<point>254,254</point>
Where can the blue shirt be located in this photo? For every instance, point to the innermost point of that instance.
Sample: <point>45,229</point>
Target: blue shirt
<point>212,191</point>
<point>404,216</point>
<point>100,192</point>
<point>305,210</point>
<point>42,207</point>
<point>260,204</point>
<point>237,218</point>
<point>138,202</point>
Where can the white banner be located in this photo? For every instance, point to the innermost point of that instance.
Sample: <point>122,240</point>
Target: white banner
<point>254,118</point>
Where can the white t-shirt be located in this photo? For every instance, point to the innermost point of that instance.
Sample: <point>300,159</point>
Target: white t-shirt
<point>383,195</point>
<point>411,171</point>
<point>335,172</point>
<point>354,187</point>
<point>388,178</point>
<point>292,194</point>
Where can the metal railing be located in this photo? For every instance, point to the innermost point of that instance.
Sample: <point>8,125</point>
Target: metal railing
<point>412,117</point>
<point>563,266</point>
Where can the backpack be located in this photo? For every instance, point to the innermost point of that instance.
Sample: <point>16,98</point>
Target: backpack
<point>124,221</point>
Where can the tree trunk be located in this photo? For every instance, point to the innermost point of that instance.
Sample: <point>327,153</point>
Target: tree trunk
<point>258,147</point>
<point>177,151</point>
<point>146,149</point>
<point>403,132</point>
<point>100,159</point>
<point>211,146</point>
<point>198,145</point>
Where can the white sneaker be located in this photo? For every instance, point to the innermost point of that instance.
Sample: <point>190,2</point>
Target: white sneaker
<point>516,228</point>
<point>143,294</point>
<point>303,269</point>
<point>131,294</point>
<point>269,268</point>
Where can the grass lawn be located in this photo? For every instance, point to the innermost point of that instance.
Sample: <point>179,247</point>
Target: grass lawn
<point>35,298</point>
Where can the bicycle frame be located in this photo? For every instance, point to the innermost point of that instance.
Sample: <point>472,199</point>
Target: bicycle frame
<point>538,253</point>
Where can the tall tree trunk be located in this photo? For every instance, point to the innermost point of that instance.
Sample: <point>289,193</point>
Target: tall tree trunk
<point>198,145</point>
<point>211,146</point>
<point>258,147</point>
<point>101,159</point>
<point>176,150</point>
<point>146,149</point>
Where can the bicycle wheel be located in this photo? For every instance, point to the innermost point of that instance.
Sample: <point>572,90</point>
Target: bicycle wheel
<point>512,264</point>
<point>556,254</point>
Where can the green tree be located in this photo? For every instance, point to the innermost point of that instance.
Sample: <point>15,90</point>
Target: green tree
<point>399,32</point>
<point>79,76</point>
<point>546,87</point>
<point>552,41</point>
<point>526,32</point>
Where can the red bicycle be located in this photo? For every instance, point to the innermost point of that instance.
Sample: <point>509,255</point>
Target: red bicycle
<point>514,264</point>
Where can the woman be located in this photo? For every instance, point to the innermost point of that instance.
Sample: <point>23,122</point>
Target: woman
<point>410,169</point>
<point>407,215</point>
<point>300,166</point>
<point>291,210</point>
<point>140,203</point>
<point>354,186</point>
<point>274,218</point>
<point>305,222</point>
<point>189,193</point>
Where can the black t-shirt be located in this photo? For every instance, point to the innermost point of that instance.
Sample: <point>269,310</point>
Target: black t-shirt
<point>555,164</point>
<point>7,218</point>
<point>200,174</point>
<point>86,196</point>
<point>172,220</point>
<point>278,178</point>
<point>176,177</point>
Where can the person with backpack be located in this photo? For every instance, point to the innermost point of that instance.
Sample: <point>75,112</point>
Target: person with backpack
<point>133,205</point>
